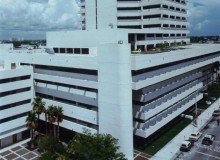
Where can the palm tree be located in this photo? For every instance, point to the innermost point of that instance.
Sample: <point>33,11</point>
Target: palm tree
<point>45,111</point>
<point>31,122</point>
<point>59,118</point>
<point>51,116</point>
<point>38,106</point>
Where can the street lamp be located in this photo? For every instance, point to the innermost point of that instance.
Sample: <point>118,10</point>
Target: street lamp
<point>196,103</point>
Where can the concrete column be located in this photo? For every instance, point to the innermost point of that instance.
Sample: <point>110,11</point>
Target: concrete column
<point>135,41</point>
<point>115,94</point>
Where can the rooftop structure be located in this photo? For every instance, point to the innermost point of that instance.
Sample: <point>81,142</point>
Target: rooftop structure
<point>147,22</point>
<point>104,88</point>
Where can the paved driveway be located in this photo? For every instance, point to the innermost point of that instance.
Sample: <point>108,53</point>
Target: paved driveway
<point>19,153</point>
<point>204,152</point>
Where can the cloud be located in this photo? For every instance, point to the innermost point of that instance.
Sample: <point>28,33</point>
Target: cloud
<point>204,17</point>
<point>201,25</point>
<point>37,15</point>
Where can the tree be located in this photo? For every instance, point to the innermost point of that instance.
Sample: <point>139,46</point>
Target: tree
<point>38,106</point>
<point>59,118</point>
<point>31,122</point>
<point>51,117</point>
<point>45,111</point>
<point>162,46</point>
<point>52,149</point>
<point>95,146</point>
<point>16,43</point>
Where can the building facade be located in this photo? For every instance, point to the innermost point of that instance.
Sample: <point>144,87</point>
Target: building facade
<point>147,22</point>
<point>16,94</point>
<point>104,88</point>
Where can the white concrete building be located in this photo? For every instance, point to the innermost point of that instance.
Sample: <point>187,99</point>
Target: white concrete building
<point>104,88</point>
<point>147,22</point>
<point>16,93</point>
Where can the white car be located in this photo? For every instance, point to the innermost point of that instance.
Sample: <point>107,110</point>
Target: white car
<point>186,146</point>
<point>195,136</point>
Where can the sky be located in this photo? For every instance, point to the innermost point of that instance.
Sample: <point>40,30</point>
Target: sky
<point>31,19</point>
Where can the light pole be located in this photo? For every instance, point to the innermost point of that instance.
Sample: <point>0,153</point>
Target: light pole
<point>196,103</point>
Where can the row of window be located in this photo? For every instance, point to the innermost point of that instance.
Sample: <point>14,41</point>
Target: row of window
<point>13,79</point>
<point>156,6</point>
<point>165,26</point>
<point>66,85</point>
<point>141,71</point>
<point>7,93</point>
<point>176,1</point>
<point>13,117</point>
<point>15,104</point>
<point>87,124</point>
<point>141,37</point>
<point>66,101</point>
<point>72,50</point>
<point>64,69</point>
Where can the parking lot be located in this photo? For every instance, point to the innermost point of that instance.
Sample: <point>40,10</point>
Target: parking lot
<point>204,152</point>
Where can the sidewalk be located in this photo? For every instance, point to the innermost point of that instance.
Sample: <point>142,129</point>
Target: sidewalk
<point>19,151</point>
<point>169,151</point>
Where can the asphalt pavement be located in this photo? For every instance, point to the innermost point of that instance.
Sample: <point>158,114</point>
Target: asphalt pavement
<point>171,150</point>
<point>205,152</point>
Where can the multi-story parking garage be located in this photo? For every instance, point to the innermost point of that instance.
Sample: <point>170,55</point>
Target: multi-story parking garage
<point>104,88</point>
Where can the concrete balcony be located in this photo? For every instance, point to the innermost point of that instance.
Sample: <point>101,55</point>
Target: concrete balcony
<point>16,85</point>
<point>157,40</point>
<point>15,110</point>
<point>67,80</point>
<point>65,93</point>
<point>121,4</point>
<point>12,131</point>
<point>173,12</point>
<point>150,2</point>
<point>66,74</point>
<point>82,4</point>
<point>168,72</point>
<point>131,13</point>
<point>135,22</point>
<point>76,127</point>
<point>22,71</point>
<point>156,90</point>
<point>171,2</point>
<point>154,124</point>
<point>13,124</point>
<point>76,112</point>
<point>82,10</point>
<point>155,107</point>
<point>82,18</point>
<point>164,21</point>
<point>16,97</point>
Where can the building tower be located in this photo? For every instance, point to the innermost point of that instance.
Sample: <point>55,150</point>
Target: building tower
<point>148,22</point>
<point>105,88</point>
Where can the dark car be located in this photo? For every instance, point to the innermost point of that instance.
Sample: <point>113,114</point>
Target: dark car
<point>186,146</point>
<point>216,113</point>
<point>208,139</point>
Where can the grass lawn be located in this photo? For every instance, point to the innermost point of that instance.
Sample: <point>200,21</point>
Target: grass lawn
<point>168,135</point>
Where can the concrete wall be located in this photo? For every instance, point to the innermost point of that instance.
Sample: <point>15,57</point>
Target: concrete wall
<point>85,38</point>
<point>115,95</point>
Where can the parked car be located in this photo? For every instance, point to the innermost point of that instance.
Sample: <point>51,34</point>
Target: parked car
<point>216,113</point>
<point>186,146</point>
<point>195,136</point>
<point>208,139</point>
